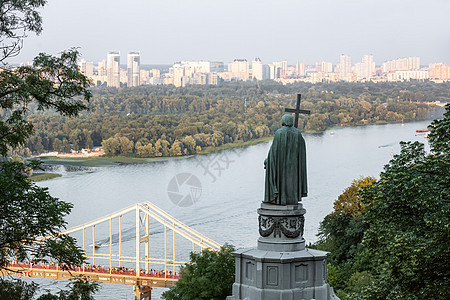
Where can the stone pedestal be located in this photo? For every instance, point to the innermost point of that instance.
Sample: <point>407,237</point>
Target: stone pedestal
<point>281,267</point>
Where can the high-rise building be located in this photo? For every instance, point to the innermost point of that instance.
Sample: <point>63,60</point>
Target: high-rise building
<point>133,74</point>
<point>278,69</point>
<point>345,65</point>
<point>113,69</point>
<point>367,66</point>
<point>401,64</point>
<point>257,69</point>
<point>217,66</point>
<point>440,72</point>
<point>300,69</point>
<point>86,68</point>
<point>183,71</point>
<point>239,69</point>
<point>101,68</point>
<point>324,67</point>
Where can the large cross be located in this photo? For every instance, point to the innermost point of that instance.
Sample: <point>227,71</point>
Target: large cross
<point>297,110</point>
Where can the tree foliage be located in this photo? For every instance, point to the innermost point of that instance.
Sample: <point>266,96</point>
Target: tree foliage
<point>208,275</point>
<point>30,218</point>
<point>215,115</point>
<point>409,220</point>
<point>17,17</point>
<point>51,83</point>
<point>341,233</point>
<point>28,212</point>
<point>397,245</point>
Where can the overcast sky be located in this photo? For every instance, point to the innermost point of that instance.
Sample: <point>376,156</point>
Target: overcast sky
<point>165,31</point>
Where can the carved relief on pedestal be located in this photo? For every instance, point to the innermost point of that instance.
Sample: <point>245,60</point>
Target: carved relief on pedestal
<point>290,227</point>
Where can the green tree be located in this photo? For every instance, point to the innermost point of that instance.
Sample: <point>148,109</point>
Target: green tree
<point>341,233</point>
<point>28,212</point>
<point>208,275</point>
<point>408,216</point>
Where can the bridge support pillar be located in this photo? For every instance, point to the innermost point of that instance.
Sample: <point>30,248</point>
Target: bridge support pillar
<point>142,292</point>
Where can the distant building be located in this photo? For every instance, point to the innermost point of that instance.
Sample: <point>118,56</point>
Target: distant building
<point>113,69</point>
<point>184,72</point>
<point>101,68</point>
<point>133,71</point>
<point>401,64</point>
<point>324,67</point>
<point>144,76</point>
<point>278,69</point>
<point>407,75</point>
<point>365,68</point>
<point>345,66</point>
<point>257,69</point>
<point>217,66</point>
<point>86,68</point>
<point>300,69</point>
<point>440,72</point>
<point>239,69</point>
<point>156,73</point>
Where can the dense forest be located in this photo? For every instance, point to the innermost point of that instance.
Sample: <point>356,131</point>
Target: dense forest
<point>151,121</point>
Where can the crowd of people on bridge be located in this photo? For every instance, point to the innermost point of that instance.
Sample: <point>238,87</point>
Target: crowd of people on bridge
<point>98,269</point>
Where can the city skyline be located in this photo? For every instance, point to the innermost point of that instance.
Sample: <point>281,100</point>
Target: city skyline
<point>224,30</point>
<point>204,72</point>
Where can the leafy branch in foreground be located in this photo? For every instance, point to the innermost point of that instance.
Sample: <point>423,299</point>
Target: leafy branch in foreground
<point>17,17</point>
<point>52,82</point>
<point>28,212</point>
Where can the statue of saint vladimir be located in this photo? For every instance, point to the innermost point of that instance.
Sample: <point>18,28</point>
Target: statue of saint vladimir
<point>286,166</point>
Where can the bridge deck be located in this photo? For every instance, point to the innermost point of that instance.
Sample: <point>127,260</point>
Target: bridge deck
<point>105,276</point>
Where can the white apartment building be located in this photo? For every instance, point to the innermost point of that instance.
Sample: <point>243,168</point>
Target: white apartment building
<point>183,71</point>
<point>408,75</point>
<point>345,65</point>
<point>366,68</point>
<point>101,68</point>
<point>239,69</point>
<point>324,67</point>
<point>257,69</point>
<point>300,69</point>
<point>133,69</point>
<point>86,68</point>
<point>401,64</point>
<point>278,69</point>
<point>113,69</point>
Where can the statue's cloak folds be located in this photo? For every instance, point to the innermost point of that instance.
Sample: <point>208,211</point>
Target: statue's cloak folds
<point>286,180</point>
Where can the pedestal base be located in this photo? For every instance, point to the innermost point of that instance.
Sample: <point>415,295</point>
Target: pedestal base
<point>268,275</point>
<point>281,268</point>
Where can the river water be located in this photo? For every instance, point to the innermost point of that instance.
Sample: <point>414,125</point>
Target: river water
<point>228,191</point>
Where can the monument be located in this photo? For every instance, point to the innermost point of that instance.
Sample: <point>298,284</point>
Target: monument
<point>281,267</point>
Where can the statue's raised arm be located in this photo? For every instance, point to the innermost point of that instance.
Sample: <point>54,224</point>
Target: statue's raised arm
<point>286,181</point>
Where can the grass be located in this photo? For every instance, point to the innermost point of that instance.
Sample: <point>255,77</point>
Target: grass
<point>43,176</point>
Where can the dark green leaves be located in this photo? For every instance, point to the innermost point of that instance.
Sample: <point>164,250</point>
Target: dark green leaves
<point>208,275</point>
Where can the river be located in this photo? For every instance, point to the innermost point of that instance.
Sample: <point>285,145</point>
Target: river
<point>229,189</point>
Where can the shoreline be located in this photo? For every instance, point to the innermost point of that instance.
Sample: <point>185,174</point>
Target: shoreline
<point>97,160</point>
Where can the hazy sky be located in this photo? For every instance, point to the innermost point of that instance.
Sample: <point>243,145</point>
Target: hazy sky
<point>165,31</point>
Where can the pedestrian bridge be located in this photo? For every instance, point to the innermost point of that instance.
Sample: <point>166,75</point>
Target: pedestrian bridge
<point>111,262</point>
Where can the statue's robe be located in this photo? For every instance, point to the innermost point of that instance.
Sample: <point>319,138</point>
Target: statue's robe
<point>285,167</point>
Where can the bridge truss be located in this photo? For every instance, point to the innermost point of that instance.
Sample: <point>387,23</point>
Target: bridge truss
<point>111,269</point>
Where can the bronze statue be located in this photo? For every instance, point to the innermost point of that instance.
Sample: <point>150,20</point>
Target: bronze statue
<point>285,166</point>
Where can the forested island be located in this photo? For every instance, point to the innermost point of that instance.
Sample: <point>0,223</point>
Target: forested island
<point>155,121</point>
